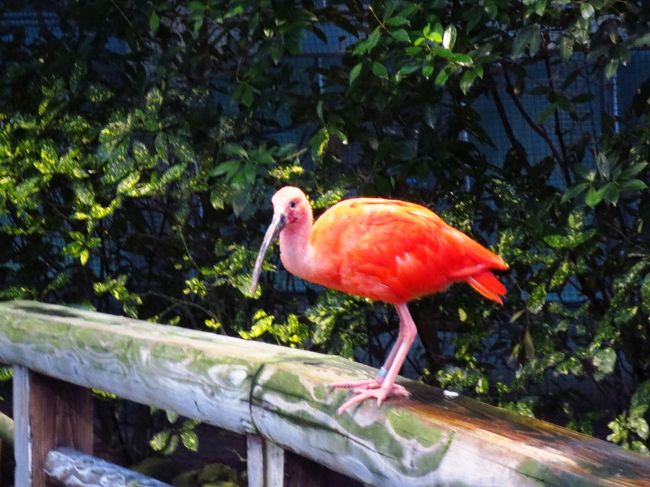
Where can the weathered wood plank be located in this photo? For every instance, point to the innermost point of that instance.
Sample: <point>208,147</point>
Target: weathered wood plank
<point>72,468</point>
<point>281,394</point>
<point>50,413</point>
<point>210,377</point>
<point>22,433</point>
<point>264,463</point>
<point>273,464</point>
<point>430,439</point>
<point>255,460</point>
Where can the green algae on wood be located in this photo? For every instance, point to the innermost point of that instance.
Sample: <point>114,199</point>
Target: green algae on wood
<point>282,395</point>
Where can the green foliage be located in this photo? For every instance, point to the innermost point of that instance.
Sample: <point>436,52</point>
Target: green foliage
<point>630,428</point>
<point>167,440</point>
<point>211,475</point>
<point>138,156</point>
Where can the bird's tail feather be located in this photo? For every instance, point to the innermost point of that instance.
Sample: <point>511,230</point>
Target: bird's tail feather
<point>487,285</point>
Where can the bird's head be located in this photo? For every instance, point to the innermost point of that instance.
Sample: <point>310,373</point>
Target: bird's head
<point>290,209</point>
<point>292,204</point>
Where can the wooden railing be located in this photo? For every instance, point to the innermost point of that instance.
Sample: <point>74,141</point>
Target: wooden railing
<point>279,398</point>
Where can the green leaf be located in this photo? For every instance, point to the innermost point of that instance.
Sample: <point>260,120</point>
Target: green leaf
<point>574,191</point>
<point>401,35</point>
<point>159,440</point>
<point>453,57</point>
<point>587,10</point>
<point>547,112</point>
<point>640,426</point>
<point>642,40</point>
<point>153,100</point>
<point>595,196</point>
<point>369,43</point>
<point>217,200</point>
<point>379,70</point>
<point>633,185</point>
<point>604,360</point>
<point>396,21</point>
<point>172,445</point>
<point>172,174</point>
<point>235,150</point>
<point>182,149</point>
<point>427,70</point>
<point>355,72</point>
<point>172,417</point>
<point>441,77</point>
<point>128,183</point>
<point>319,142</point>
<point>612,194</point>
<point>645,293</point>
<point>529,344</point>
<point>610,68</point>
<point>462,315</point>
<point>190,440</point>
<point>625,315</point>
<point>566,48</point>
<point>449,37</point>
<point>571,241</point>
<point>154,21</point>
<point>537,299</point>
<point>527,37</point>
<point>229,168</point>
<point>433,34</point>
<point>408,69</point>
<point>641,397</point>
<point>633,170</point>
<point>466,81</point>
<point>560,275</point>
<point>161,145</point>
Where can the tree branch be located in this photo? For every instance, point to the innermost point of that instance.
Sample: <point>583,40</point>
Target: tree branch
<point>537,128</point>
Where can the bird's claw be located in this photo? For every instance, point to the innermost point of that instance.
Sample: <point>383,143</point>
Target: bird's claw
<point>367,391</point>
<point>357,384</point>
<point>362,385</point>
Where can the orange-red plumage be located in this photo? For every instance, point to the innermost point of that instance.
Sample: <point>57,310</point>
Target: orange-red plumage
<point>396,252</point>
<point>385,250</point>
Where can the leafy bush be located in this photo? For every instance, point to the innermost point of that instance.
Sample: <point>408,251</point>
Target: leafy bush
<point>138,156</point>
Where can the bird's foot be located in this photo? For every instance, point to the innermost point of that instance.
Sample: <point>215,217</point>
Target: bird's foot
<point>360,385</point>
<point>371,389</point>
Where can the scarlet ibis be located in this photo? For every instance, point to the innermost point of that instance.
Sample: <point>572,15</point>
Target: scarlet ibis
<point>386,250</point>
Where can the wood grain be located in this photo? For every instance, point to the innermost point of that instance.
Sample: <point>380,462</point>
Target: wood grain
<point>51,413</point>
<point>69,467</point>
<point>282,395</point>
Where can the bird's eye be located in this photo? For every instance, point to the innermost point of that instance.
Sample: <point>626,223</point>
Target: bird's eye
<point>292,204</point>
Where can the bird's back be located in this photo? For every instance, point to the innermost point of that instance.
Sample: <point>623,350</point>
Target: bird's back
<point>395,251</point>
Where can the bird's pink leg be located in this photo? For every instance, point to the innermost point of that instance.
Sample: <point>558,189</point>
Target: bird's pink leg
<point>376,382</point>
<point>406,337</point>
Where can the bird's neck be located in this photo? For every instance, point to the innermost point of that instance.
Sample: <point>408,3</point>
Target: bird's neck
<point>294,248</point>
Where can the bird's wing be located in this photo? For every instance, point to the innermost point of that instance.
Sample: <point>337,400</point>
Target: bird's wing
<point>395,251</point>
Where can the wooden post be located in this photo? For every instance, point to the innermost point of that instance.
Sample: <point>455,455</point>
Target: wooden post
<point>47,413</point>
<point>265,463</point>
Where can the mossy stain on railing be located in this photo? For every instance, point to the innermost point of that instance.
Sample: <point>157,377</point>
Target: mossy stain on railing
<point>409,427</point>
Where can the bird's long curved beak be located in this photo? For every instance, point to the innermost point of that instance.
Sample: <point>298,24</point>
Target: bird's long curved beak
<point>277,224</point>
